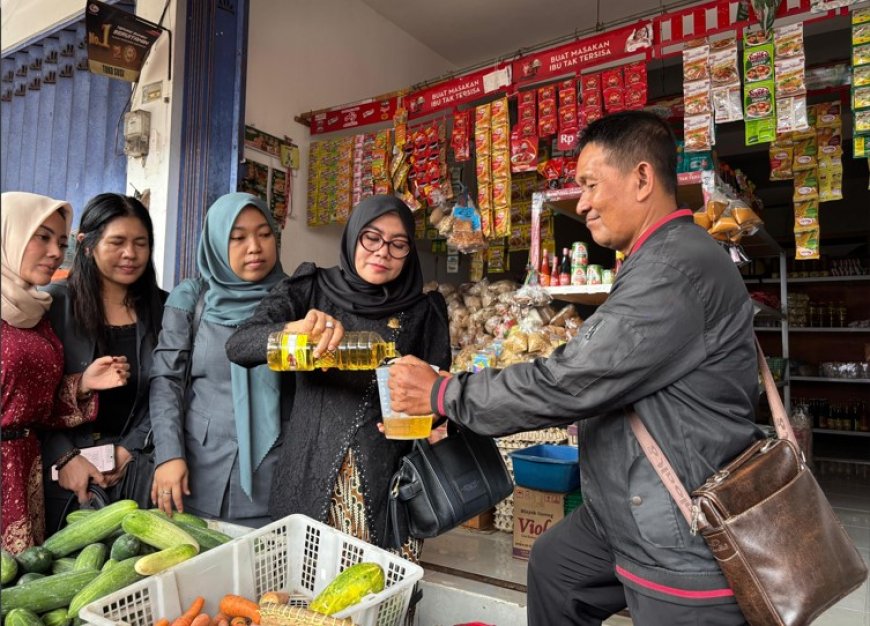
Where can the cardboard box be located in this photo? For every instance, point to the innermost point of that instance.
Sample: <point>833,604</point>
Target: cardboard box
<point>534,512</point>
<point>484,521</point>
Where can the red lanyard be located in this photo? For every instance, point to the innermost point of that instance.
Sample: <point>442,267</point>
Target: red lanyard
<point>649,231</point>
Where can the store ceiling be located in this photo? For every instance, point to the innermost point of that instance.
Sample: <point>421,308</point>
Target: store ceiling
<point>467,33</point>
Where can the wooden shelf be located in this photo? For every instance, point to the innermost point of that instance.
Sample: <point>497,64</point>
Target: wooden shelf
<point>847,433</point>
<point>805,329</point>
<point>585,294</point>
<point>808,280</point>
<point>817,379</point>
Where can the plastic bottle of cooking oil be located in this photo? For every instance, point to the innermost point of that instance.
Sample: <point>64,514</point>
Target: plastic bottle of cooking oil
<point>358,350</point>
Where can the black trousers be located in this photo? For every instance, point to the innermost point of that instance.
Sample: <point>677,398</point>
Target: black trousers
<point>572,581</point>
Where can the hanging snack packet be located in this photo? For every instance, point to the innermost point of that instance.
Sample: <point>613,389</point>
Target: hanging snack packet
<point>788,41</point>
<point>805,153</point>
<point>696,98</point>
<point>695,64</point>
<point>806,185</point>
<point>780,162</point>
<point>830,179</point>
<point>496,259</point>
<point>806,215</point>
<point>698,133</point>
<point>830,141</point>
<point>807,244</point>
<point>460,138</point>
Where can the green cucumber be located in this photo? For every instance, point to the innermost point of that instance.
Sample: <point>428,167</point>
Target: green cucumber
<point>118,577</point>
<point>26,578</point>
<point>205,537</point>
<point>109,564</point>
<point>45,594</point>
<point>63,565</point>
<point>35,559</point>
<point>95,527</point>
<point>125,546</point>
<point>348,588</point>
<point>186,518</point>
<point>159,561</point>
<point>22,617</point>
<point>8,567</point>
<point>155,530</point>
<point>91,557</point>
<point>57,617</point>
<point>79,514</point>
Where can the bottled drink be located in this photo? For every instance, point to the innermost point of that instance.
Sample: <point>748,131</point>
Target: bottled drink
<point>565,268</point>
<point>803,431</point>
<point>554,272</point>
<point>360,350</point>
<point>544,275</point>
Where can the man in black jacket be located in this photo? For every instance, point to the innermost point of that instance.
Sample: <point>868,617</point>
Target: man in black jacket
<point>674,341</point>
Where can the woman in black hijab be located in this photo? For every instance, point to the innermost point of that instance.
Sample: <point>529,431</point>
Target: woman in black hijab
<point>335,466</point>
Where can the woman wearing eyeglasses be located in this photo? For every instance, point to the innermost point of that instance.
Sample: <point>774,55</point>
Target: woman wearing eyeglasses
<point>335,465</point>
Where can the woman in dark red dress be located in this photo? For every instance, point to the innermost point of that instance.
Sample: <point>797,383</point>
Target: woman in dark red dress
<point>35,393</point>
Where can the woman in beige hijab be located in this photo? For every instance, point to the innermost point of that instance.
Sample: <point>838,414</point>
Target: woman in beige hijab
<point>35,393</point>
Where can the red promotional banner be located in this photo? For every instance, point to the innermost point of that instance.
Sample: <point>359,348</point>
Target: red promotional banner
<point>447,94</point>
<point>350,117</point>
<point>571,57</point>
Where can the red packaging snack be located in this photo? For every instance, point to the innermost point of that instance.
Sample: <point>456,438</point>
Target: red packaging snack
<point>611,79</point>
<point>635,74</point>
<point>635,96</point>
<point>527,112</point>
<point>567,97</point>
<point>546,94</point>
<point>527,128</point>
<point>501,193</point>
<point>526,97</point>
<point>591,114</point>
<point>524,153</point>
<point>592,98</point>
<point>547,126</point>
<point>614,99</point>
<point>568,116</point>
<point>590,82</point>
<point>547,108</point>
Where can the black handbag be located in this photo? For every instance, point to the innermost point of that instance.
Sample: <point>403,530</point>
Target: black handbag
<point>439,486</point>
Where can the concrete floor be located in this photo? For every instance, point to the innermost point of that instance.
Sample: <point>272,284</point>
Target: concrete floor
<point>459,565</point>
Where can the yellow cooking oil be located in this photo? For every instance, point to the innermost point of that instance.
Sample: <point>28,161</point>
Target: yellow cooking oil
<point>408,426</point>
<point>358,350</point>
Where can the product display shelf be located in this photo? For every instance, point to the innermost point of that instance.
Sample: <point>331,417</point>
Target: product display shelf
<point>819,379</point>
<point>845,433</point>
<point>807,329</point>
<point>809,280</point>
<point>583,294</point>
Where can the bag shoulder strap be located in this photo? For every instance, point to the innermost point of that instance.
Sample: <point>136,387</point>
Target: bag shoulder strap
<point>194,328</point>
<point>663,467</point>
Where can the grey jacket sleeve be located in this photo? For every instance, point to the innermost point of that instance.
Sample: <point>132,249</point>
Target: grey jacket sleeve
<point>167,395</point>
<point>647,335</point>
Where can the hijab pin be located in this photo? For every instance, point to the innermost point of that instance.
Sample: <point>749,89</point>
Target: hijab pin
<point>394,323</point>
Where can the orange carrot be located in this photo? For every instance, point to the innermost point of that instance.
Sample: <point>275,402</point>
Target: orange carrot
<point>190,614</point>
<point>202,619</point>
<point>162,622</point>
<point>239,621</point>
<point>237,606</point>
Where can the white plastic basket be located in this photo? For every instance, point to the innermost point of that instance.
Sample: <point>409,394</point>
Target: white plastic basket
<point>295,554</point>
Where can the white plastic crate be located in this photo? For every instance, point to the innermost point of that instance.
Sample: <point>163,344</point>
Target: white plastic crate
<point>295,554</point>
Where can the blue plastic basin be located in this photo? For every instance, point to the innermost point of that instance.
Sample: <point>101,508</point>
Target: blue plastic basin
<point>547,467</point>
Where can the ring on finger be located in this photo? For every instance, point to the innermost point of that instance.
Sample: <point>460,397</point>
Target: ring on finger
<point>330,324</point>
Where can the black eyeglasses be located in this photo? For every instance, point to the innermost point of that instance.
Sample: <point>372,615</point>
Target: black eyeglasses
<point>372,241</point>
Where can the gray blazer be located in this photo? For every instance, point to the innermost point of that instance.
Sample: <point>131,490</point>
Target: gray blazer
<point>204,433</point>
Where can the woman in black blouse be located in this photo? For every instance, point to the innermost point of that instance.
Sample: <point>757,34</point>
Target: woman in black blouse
<point>336,465</point>
<point>109,304</point>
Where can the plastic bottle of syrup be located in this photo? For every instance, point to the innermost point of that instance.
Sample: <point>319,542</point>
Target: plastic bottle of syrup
<point>544,275</point>
<point>359,350</point>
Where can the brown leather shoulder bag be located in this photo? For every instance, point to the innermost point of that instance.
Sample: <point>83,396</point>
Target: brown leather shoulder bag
<point>782,549</point>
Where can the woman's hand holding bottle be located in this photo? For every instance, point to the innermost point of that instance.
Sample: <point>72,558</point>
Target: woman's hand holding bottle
<point>318,325</point>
